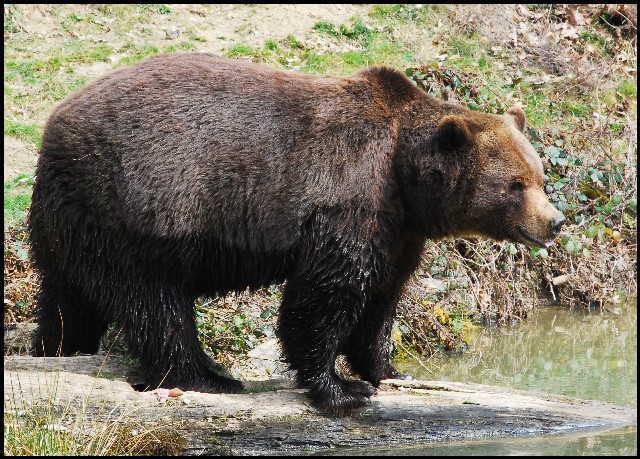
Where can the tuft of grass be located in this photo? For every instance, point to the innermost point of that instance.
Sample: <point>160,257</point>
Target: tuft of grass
<point>402,12</point>
<point>628,88</point>
<point>135,53</point>
<point>47,431</point>
<point>316,63</point>
<point>240,50</point>
<point>36,423</point>
<point>182,46</point>
<point>30,71</point>
<point>357,31</point>
<point>16,208</point>
<point>17,199</point>
<point>28,132</point>
<point>154,8</point>
<point>293,42</point>
<point>325,27</point>
<point>271,44</point>
<point>576,107</point>
<point>12,18</point>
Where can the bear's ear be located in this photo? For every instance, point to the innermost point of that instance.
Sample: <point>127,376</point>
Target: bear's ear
<point>453,133</point>
<point>518,116</point>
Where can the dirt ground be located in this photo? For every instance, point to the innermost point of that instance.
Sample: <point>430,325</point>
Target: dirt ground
<point>221,26</point>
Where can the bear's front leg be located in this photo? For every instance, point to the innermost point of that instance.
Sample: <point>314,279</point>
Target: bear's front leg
<point>314,321</point>
<point>368,348</point>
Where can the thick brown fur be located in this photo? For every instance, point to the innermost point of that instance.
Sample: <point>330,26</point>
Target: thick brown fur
<point>192,175</point>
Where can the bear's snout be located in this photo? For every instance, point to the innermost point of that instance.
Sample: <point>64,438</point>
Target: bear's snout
<point>557,222</point>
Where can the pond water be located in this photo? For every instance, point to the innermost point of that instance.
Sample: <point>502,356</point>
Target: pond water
<point>589,354</point>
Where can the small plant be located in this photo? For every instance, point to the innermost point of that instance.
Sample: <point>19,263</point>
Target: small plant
<point>226,331</point>
<point>271,45</point>
<point>50,427</point>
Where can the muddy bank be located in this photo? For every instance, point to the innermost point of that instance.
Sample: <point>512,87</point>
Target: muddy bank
<point>275,418</point>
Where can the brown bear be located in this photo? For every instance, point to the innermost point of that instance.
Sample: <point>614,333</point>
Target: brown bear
<point>191,174</point>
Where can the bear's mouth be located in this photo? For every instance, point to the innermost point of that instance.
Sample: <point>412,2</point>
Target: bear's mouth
<point>533,241</point>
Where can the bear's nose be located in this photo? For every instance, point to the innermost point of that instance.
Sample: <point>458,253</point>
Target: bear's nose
<point>557,222</point>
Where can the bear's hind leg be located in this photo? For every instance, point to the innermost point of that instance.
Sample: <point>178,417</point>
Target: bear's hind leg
<point>160,328</point>
<point>67,321</point>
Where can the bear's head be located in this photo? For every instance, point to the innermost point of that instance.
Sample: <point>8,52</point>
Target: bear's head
<point>508,198</point>
<point>476,174</point>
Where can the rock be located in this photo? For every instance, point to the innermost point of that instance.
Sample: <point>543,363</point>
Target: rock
<point>17,336</point>
<point>268,356</point>
<point>273,417</point>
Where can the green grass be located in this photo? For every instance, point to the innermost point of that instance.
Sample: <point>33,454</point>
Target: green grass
<point>135,53</point>
<point>73,51</point>
<point>465,46</point>
<point>271,45</point>
<point>154,8</point>
<point>31,133</point>
<point>45,429</point>
<point>136,11</point>
<point>17,199</point>
<point>293,42</point>
<point>317,63</point>
<point>16,208</point>
<point>537,108</point>
<point>372,48</point>
<point>182,46</point>
<point>357,31</point>
<point>325,27</point>
<point>628,88</point>
<point>403,13</point>
<point>31,71</point>
<point>576,107</point>
<point>240,50</point>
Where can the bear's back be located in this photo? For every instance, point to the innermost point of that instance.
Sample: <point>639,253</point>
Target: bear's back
<point>188,144</point>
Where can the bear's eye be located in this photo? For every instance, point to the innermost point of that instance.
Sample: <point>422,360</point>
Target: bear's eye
<point>517,186</point>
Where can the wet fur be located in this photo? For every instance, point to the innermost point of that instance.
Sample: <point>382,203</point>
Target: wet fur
<point>192,175</point>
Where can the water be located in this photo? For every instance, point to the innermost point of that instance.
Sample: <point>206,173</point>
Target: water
<point>590,354</point>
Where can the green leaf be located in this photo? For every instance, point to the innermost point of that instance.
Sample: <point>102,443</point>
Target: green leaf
<point>552,151</point>
<point>571,247</point>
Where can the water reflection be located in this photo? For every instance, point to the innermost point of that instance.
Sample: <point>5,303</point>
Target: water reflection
<point>578,353</point>
<point>619,442</point>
